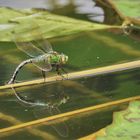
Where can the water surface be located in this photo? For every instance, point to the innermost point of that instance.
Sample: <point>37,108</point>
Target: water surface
<point>86,51</point>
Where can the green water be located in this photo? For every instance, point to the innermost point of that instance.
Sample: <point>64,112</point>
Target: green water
<point>86,50</point>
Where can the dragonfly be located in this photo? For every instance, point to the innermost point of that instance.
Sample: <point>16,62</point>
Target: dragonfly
<point>43,57</point>
<point>47,108</point>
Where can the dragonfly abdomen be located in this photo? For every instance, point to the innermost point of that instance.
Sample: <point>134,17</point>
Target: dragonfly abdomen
<point>18,69</point>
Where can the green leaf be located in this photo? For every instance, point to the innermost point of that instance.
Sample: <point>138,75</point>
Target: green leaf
<point>126,124</point>
<point>129,8</point>
<point>51,25</point>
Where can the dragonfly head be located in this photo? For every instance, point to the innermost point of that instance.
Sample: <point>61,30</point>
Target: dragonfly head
<point>64,58</point>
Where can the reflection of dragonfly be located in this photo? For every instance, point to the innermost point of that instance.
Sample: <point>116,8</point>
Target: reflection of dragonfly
<point>43,57</point>
<point>43,109</point>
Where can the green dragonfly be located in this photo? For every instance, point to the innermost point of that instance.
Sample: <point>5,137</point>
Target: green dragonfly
<point>43,57</point>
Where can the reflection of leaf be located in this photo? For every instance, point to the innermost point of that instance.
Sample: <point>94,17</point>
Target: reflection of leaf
<point>51,25</point>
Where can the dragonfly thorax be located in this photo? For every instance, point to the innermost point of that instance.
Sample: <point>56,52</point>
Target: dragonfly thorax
<point>64,58</point>
<point>58,59</point>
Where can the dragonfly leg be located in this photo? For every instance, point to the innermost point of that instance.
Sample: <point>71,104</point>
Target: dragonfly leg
<point>17,81</point>
<point>59,71</point>
<point>65,72</point>
<point>44,75</point>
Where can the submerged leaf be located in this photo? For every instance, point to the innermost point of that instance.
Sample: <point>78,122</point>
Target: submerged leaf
<point>51,25</point>
<point>126,124</point>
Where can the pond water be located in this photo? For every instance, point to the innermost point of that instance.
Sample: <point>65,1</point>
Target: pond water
<point>86,51</point>
<point>78,94</point>
<point>97,49</point>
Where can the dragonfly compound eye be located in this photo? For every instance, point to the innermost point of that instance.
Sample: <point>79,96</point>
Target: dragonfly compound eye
<point>64,59</point>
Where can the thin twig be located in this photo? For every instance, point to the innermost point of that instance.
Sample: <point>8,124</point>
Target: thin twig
<point>79,74</point>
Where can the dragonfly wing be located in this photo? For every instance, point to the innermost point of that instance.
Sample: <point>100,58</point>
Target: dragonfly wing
<point>44,45</point>
<point>29,48</point>
<point>43,64</point>
<point>40,111</point>
<point>39,38</point>
<point>59,125</point>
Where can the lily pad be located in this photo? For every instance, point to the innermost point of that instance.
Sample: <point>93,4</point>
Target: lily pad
<point>126,124</point>
<point>129,8</point>
<point>51,25</point>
